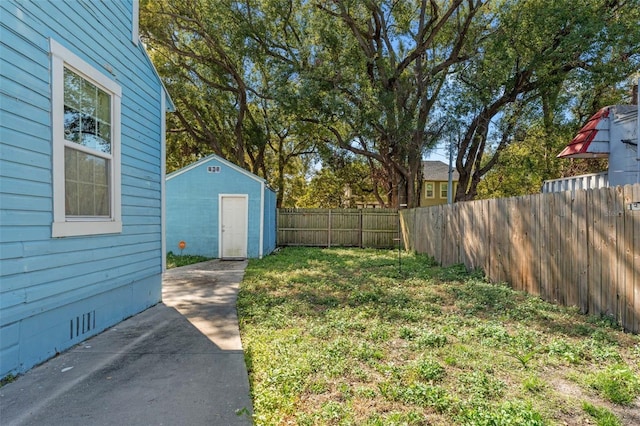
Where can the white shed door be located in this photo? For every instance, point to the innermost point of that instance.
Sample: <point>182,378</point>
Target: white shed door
<point>233,226</point>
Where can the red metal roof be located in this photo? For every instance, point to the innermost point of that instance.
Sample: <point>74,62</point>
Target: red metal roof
<point>580,144</point>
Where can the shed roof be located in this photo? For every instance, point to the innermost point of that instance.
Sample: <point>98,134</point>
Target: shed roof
<point>590,140</point>
<point>438,171</point>
<point>223,161</point>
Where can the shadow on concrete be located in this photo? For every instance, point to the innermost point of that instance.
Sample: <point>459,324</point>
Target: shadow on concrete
<point>168,365</point>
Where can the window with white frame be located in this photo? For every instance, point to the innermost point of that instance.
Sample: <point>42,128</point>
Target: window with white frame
<point>86,147</point>
<point>444,186</point>
<point>428,190</point>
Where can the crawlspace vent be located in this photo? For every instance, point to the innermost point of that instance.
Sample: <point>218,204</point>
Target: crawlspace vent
<point>82,324</point>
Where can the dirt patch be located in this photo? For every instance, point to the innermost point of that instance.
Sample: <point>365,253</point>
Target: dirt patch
<point>628,415</point>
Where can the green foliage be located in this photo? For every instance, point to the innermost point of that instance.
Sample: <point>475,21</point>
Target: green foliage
<point>339,184</point>
<point>9,378</point>
<point>429,339</point>
<point>272,85</point>
<point>177,260</point>
<point>526,163</point>
<point>481,386</point>
<point>231,95</point>
<point>510,413</point>
<point>601,415</point>
<point>526,81</point>
<point>533,384</point>
<point>430,370</point>
<point>617,383</point>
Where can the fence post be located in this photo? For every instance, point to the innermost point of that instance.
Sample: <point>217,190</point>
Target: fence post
<point>329,231</point>
<point>361,226</point>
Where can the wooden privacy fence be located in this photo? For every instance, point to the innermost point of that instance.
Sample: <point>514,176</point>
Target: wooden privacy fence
<point>375,228</point>
<point>577,248</point>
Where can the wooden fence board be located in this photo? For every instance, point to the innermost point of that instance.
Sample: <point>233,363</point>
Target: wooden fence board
<point>483,223</point>
<point>568,239</point>
<point>504,237</point>
<point>616,249</point>
<point>518,245</point>
<point>546,210</point>
<point>565,272</point>
<point>536,259</point>
<point>467,231</point>
<point>594,256</point>
<point>451,236</point>
<point>581,252</point>
<point>621,256</point>
<point>609,284</point>
<point>634,219</point>
<point>438,234</point>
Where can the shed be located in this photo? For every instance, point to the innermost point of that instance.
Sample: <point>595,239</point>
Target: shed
<point>82,113</point>
<point>219,210</point>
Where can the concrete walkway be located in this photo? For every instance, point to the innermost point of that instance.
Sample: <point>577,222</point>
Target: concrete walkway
<point>177,363</point>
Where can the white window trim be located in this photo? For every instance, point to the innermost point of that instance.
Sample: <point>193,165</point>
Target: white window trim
<point>433,190</point>
<point>63,226</point>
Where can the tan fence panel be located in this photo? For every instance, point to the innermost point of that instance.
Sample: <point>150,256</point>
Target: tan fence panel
<point>379,228</point>
<point>632,237</point>
<point>303,228</point>
<point>577,248</point>
<point>376,228</point>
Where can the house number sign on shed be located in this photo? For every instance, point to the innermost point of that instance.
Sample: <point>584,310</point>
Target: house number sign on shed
<point>213,169</point>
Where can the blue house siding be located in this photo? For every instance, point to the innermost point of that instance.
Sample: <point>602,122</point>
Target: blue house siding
<point>193,206</point>
<point>56,292</point>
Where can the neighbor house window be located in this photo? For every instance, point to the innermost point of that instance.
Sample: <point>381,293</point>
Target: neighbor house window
<point>428,190</point>
<point>86,147</point>
<point>444,186</point>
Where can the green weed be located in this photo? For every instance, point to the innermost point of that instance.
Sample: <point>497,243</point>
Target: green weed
<point>508,414</point>
<point>617,383</point>
<point>431,340</point>
<point>7,379</point>
<point>533,384</point>
<point>601,415</point>
<point>430,370</point>
<point>177,260</point>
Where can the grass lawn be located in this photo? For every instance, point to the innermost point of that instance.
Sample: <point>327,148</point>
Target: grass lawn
<point>343,337</point>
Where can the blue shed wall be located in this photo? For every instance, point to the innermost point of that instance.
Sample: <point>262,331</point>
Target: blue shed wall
<point>192,207</point>
<point>269,241</point>
<point>49,286</point>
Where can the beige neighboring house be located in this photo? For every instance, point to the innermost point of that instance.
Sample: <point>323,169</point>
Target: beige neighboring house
<point>435,184</point>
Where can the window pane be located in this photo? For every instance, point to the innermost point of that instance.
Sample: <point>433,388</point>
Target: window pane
<point>428,190</point>
<point>89,102</point>
<point>104,107</point>
<point>101,200</point>
<point>71,198</point>
<point>71,124</point>
<point>72,89</point>
<point>87,108</point>
<point>104,137</point>
<point>70,161</point>
<point>86,184</point>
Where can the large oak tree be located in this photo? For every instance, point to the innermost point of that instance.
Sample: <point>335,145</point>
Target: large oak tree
<point>266,83</point>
